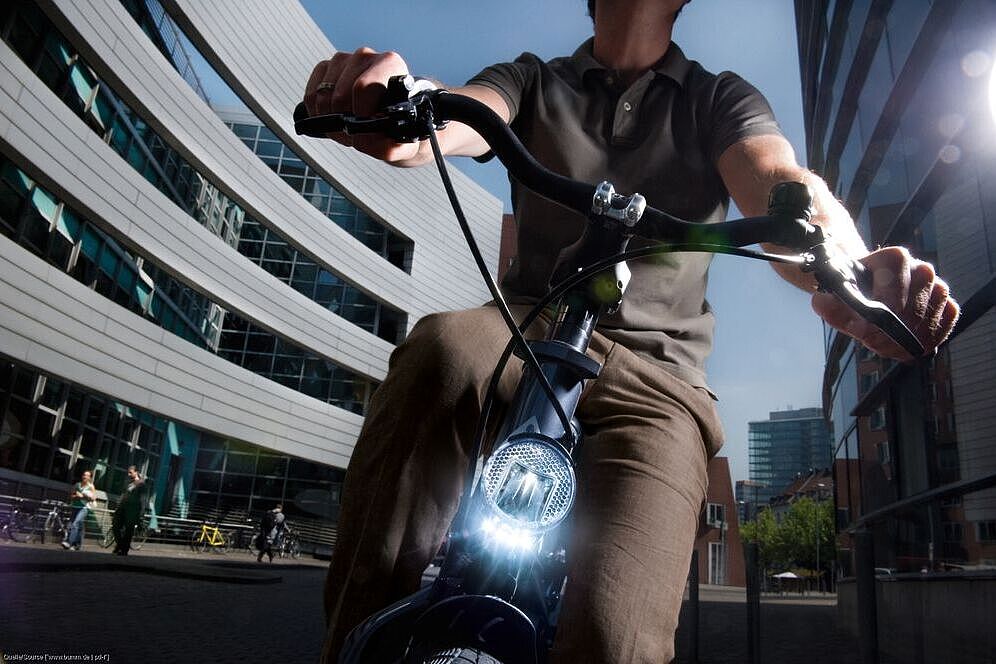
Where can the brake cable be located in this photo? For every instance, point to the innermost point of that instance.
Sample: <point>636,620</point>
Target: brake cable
<point>570,282</point>
<point>518,340</point>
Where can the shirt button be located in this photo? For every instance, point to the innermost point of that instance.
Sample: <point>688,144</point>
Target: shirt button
<point>627,106</point>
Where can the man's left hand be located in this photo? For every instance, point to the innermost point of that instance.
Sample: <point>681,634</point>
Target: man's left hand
<point>909,287</point>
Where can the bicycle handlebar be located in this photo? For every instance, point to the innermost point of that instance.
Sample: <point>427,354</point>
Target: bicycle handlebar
<point>414,109</point>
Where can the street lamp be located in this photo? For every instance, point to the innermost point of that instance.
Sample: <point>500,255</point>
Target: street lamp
<point>819,488</point>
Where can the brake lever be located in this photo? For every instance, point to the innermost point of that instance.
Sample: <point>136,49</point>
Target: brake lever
<point>841,276</point>
<point>835,272</point>
<point>406,117</point>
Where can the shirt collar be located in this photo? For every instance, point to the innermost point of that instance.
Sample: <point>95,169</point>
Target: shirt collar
<point>673,64</point>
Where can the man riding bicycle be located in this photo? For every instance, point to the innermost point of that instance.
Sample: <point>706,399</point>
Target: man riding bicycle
<point>627,106</point>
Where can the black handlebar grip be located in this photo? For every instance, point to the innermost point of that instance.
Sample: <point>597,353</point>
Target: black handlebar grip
<point>300,112</point>
<point>316,126</point>
<point>792,199</point>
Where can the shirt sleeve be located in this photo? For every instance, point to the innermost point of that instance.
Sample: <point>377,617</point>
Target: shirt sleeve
<point>510,80</point>
<point>737,111</point>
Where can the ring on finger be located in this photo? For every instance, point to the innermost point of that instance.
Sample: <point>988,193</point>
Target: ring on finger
<point>325,85</point>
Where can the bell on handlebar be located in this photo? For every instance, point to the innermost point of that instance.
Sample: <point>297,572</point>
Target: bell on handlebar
<point>791,199</point>
<point>402,87</point>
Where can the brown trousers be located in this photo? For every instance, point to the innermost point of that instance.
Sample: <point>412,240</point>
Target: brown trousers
<point>647,436</point>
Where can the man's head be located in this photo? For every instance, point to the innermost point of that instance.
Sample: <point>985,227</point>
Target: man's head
<point>133,472</point>
<point>279,507</point>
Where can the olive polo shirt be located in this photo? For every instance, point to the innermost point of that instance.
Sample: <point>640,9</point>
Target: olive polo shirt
<point>660,137</point>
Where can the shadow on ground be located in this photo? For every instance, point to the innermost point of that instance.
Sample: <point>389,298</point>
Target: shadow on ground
<point>791,631</point>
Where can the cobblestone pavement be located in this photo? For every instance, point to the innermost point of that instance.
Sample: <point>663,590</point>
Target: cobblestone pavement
<point>165,605</point>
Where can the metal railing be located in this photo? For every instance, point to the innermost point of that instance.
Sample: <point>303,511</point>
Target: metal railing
<point>313,535</point>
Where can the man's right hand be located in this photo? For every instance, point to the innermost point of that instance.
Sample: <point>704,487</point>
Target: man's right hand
<point>354,84</point>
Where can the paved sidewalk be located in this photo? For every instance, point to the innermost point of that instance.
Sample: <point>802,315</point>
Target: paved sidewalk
<point>166,604</point>
<point>158,605</point>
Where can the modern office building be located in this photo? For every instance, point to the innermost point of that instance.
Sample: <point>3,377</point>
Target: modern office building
<point>211,299</point>
<point>900,108</point>
<point>787,444</point>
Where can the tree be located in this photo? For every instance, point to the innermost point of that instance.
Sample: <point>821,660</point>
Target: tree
<point>791,543</point>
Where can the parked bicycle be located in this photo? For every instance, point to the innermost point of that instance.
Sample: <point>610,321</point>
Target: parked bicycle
<point>211,537</point>
<point>499,592</point>
<point>243,540</point>
<point>14,522</point>
<point>289,545</point>
<point>55,523</point>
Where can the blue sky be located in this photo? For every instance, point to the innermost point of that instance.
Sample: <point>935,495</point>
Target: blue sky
<point>769,349</point>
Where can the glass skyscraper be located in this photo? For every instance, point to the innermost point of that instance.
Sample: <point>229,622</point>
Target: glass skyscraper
<point>787,444</point>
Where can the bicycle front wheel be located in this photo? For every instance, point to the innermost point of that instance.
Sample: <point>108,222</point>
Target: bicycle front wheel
<point>107,539</point>
<point>51,526</point>
<point>460,656</point>
<point>294,549</point>
<point>17,527</point>
<point>141,534</point>
<point>31,528</point>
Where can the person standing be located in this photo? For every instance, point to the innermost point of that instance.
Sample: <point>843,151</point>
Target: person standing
<point>271,528</point>
<point>129,512</point>
<point>83,497</point>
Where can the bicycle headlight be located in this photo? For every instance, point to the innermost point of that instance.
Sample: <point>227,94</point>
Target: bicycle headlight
<point>528,484</point>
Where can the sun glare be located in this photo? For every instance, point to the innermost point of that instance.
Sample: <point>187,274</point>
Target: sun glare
<point>992,90</point>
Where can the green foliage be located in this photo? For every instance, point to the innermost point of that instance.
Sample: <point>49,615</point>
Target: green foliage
<point>790,543</point>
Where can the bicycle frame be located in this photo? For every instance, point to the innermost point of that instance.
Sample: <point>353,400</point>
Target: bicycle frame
<point>491,569</point>
<point>209,535</point>
<point>504,573</point>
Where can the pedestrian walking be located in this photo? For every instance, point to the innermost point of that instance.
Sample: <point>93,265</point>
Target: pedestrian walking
<point>129,512</point>
<point>83,497</point>
<point>271,529</point>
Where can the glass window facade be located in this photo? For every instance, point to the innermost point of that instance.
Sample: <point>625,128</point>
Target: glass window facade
<point>26,28</point>
<point>236,477</point>
<point>35,219</point>
<point>268,250</point>
<point>855,26</point>
<point>790,443</point>
<point>157,25</point>
<point>54,430</point>
<point>93,258</point>
<point>902,431</point>
<point>291,168</point>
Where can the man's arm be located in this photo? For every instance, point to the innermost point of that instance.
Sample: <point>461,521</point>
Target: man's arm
<point>906,285</point>
<point>355,83</point>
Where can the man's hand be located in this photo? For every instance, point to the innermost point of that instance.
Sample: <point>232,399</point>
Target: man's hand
<point>907,286</point>
<point>355,83</point>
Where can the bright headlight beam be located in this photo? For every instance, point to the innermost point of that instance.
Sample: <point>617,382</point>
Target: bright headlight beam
<point>992,90</point>
<point>507,536</point>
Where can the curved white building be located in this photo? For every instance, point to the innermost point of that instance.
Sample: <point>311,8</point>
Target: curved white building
<point>210,305</point>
